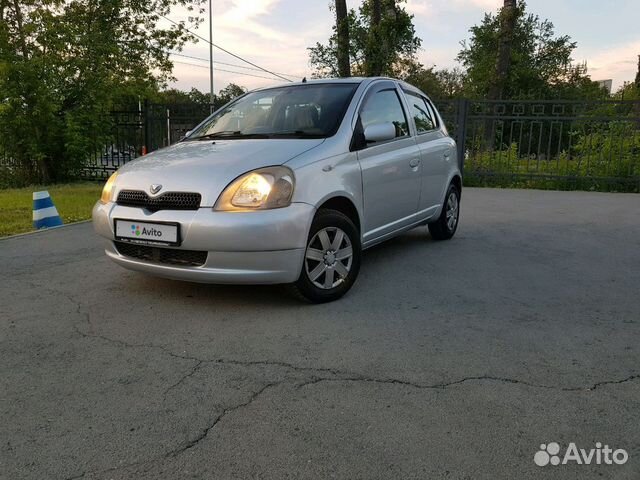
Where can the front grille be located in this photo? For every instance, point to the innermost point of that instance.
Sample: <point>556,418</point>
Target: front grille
<point>170,256</point>
<point>166,201</point>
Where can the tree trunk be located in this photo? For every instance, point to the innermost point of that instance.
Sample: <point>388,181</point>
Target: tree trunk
<point>637,104</point>
<point>374,60</point>
<point>498,85</point>
<point>342,28</point>
<point>20,28</point>
<point>508,17</point>
<point>376,12</point>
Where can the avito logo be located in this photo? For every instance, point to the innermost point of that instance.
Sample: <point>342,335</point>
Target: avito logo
<point>152,232</point>
<point>550,454</point>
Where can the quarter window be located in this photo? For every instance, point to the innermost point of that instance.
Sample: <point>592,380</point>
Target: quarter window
<point>423,115</point>
<point>385,107</point>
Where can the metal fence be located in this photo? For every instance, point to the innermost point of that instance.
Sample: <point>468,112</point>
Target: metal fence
<point>139,131</point>
<point>547,143</point>
<point>540,143</point>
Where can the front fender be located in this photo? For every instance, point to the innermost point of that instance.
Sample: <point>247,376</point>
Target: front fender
<point>337,176</point>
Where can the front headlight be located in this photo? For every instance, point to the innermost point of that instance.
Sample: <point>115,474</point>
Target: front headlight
<point>270,187</point>
<point>107,191</point>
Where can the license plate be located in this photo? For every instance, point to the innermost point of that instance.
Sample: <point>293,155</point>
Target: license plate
<point>144,232</point>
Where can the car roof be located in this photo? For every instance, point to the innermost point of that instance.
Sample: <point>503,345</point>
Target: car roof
<point>353,80</point>
<point>317,81</point>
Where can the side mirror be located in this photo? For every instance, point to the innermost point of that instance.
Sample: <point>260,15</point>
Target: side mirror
<point>380,132</point>
<point>186,134</point>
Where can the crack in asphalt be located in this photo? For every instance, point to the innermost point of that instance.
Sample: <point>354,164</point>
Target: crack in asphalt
<point>255,395</point>
<point>340,375</point>
<point>191,443</point>
<point>315,375</point>
<point>442,386</point>
<point>343,375</point>
<point>434,386</point>
<point>193,371</point>
<point>630,378</point>
<point>205,431</point>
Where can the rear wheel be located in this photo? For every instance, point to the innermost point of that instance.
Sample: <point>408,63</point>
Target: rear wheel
<point>445,227</point>
<point>332,258</point>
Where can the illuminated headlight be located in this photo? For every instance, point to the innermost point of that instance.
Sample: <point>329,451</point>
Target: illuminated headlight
<point>107,191</point>
<point>262,189</point>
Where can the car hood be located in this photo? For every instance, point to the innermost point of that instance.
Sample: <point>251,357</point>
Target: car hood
<point>207,167</point>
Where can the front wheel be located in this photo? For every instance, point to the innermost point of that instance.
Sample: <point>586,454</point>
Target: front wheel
<point>445,227</point>
<point>332,258</point>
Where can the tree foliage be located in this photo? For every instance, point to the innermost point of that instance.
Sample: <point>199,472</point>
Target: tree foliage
<point>540,62</point>
<point>441,84</point>
<point>377,46</point>
<point>65,63</point>
<point>228,93</point>
<point>197,97</point>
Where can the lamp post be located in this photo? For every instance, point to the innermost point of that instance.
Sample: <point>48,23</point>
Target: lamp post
<point>212,97</point>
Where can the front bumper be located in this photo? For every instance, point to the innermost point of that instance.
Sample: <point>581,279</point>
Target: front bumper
<point>261,247</point>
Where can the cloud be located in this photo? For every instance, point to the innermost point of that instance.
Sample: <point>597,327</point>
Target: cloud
<point>276,33</point>
<point>422,8</point>
<point>618,62</point>
<point>433,8</point>
<point>242,16</point>
<point>492,5</point>
<point>258,30</point>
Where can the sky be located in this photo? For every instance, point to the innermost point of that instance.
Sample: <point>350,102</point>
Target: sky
<point>275,34</point>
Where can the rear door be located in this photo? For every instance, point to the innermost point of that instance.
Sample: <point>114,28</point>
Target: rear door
<point>436,151</point>
<point>390,170</point>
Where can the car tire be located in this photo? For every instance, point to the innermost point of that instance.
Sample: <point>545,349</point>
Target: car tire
<point>445,227</point>
<point>332,258</point>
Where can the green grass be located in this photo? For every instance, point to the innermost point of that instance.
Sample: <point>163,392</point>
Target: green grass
<point>73,201</point>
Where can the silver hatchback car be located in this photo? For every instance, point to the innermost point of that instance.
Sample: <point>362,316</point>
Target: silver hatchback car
<point>287,185</point>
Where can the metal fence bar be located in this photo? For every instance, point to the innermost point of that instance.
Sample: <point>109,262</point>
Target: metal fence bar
<point>463,107</point>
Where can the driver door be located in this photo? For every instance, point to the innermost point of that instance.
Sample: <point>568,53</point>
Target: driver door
<point>391,170</point>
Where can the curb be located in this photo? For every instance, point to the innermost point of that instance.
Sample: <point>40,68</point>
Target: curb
<point>43,230</point>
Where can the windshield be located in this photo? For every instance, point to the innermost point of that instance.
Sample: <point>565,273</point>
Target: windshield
<point>300,111</point>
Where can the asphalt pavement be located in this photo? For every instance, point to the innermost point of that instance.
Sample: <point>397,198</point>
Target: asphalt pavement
<point>452,360</point>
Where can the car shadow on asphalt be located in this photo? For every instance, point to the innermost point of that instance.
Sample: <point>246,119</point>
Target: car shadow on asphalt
<point>375,261</point>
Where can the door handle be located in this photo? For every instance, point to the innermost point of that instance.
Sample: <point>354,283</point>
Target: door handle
<point>414,162</point>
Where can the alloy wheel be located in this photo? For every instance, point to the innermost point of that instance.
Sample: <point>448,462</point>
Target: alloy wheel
<point>328,258</point>
<point>453,211</point>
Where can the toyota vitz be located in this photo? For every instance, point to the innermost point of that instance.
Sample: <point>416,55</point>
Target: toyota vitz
<point>287,185</point>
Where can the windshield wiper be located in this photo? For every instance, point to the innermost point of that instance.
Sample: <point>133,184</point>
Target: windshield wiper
<point>296,133</point>
<point>239,134</point>
<point>230,134</point>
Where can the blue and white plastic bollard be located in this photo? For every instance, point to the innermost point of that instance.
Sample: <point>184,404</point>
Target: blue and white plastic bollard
<point>45,213</point>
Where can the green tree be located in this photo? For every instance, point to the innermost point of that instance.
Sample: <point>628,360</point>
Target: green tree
<point>228,93</point>
<point>173,96</point>
<point>382,40</point>
<point>197,98</point>
<point>516,54</point>
<point>438,84</point>
<point>65,63</point>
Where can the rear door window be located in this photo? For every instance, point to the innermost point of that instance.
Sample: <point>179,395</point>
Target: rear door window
<point>423,114</point>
